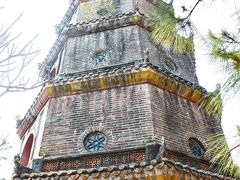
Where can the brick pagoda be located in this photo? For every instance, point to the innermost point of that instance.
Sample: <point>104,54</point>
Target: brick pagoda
<point>115,104</point>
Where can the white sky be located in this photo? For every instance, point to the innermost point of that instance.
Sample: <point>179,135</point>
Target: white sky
<point>41,16</point>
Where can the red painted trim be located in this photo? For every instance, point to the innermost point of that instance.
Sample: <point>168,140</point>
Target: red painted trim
<point>30,118</point>
<point>27,151</point>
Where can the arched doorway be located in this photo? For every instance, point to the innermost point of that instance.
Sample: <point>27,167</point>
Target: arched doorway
<point>27,151</point>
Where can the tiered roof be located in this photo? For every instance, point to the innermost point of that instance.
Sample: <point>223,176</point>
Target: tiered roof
<point>164,169</point>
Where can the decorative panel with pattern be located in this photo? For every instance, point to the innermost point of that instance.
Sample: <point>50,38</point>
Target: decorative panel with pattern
<point>94,161</point>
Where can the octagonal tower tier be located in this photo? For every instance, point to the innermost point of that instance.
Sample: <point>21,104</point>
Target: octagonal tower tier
<point>113,96</point>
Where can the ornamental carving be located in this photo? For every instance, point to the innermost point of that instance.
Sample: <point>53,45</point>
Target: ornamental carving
<point>95,142</point>
<point>100,58</point>
<point>104,160</point>
<point>95,139</point>
<point>189,136</point>
<point>170,65</point>
<point>196,147</point>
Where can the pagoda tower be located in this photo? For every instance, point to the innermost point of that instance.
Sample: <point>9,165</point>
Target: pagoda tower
<point>115,105</point>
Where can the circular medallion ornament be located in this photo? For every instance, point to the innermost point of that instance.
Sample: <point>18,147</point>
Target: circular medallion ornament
<point>95,142</point>
<point>100,57</point>
<point>170,66</point>
<point>196,148</point>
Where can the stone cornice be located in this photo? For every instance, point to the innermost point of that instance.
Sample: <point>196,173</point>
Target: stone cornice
<point>107,23</point>
<point>128,74</point>
<point>127,78</point>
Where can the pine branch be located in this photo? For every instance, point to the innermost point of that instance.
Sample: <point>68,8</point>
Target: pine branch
<point>170,32</point>
<point>191,11</point>
<point>221,156</point>
<point>212,104</point>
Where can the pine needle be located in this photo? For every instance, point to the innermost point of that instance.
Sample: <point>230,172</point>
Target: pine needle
<point>225,50</point>
<point>169,31</point>
<point>221,154</point>
<point>212,103</point>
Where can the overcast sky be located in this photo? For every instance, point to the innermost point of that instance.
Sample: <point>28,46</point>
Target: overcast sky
<point>40,17</point>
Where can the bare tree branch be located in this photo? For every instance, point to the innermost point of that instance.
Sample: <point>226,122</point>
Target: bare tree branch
<point>14,59</point>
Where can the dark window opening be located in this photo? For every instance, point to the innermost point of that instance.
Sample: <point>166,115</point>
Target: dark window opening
<point>196,147</point>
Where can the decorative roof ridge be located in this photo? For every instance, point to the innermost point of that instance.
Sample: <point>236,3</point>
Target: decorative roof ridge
<point>137,64</point>
<point>60,40</point>
<point>31,106</point>
<point>67,16</point>
<point>149,165</point>
<point>119,15</point>
<point>58,44</point>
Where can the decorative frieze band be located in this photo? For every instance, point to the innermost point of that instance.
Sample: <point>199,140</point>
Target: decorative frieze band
<point>103,160</point>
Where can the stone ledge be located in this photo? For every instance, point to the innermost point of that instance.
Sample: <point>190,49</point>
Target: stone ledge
<point>110,77</point>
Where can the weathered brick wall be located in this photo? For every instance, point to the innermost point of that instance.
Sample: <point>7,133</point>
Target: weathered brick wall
<point>122,45</point>
<point>174,118</point>
<point>185,63</point>
<point>133,114</point>
<point>125,111</point>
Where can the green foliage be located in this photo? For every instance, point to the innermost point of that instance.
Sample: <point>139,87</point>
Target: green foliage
<point>90,8</point>
<point>212,103</point>
<point>170,32</point>
<point>108,10</point>
<point>221,154</point>
<point>231,88</point>
<point>225,50</point>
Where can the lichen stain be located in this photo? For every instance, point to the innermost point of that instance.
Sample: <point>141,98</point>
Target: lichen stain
<point>129,78</point>
<point>162,82</point>
<point>68,88</point>
<point>115,80</point>
<point>170,85</point>
<point>50,91</point>
<point>196,96</point>
<point>57,90</point>
<point>121,79</point>
<point>184,92</point>
<point>139,75</point>
<point>84,85</point>
<point>102,82</point>
<point>77,86</point>
<point>95,84</point>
